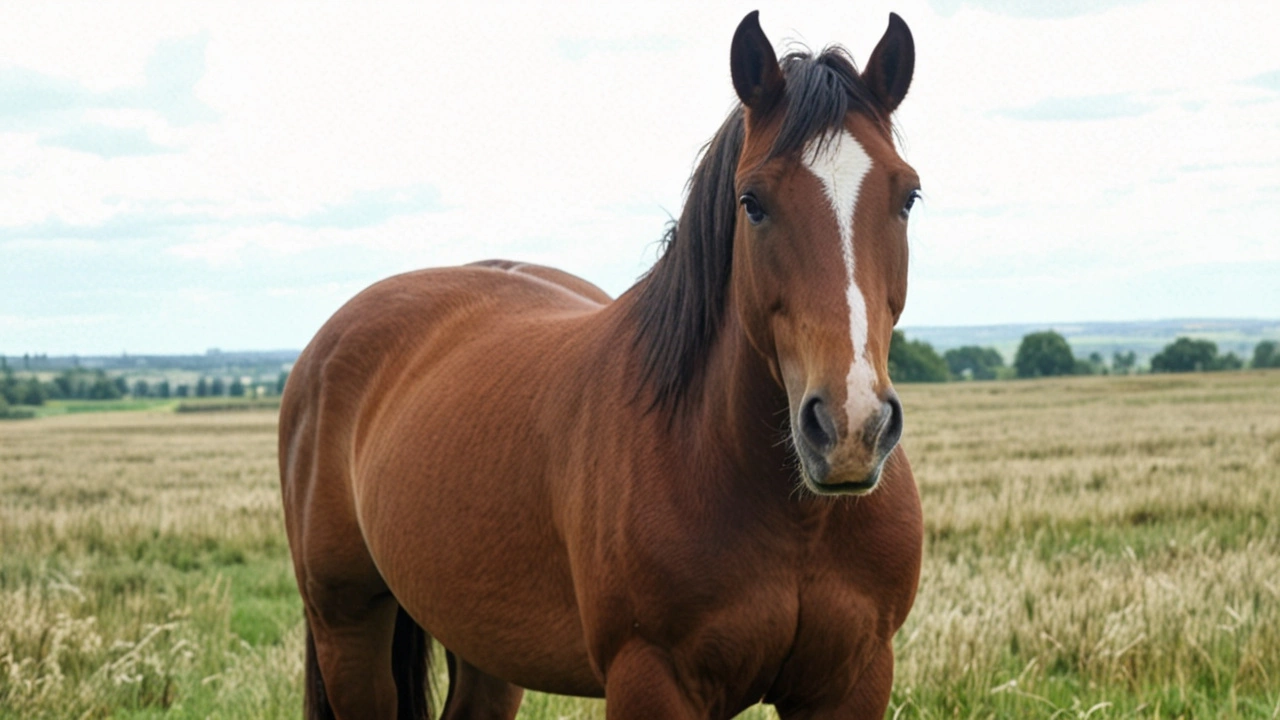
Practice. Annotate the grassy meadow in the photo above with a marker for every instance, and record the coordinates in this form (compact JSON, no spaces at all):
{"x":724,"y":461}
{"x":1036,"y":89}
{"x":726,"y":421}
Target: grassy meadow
{"x":1098,"y":547}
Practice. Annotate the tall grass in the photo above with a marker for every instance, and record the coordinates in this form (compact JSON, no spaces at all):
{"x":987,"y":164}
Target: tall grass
{"x":1096,"y":547}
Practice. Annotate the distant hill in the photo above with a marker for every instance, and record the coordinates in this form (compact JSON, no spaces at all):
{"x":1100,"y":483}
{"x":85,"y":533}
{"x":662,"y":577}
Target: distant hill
{"x":1144,"y":338}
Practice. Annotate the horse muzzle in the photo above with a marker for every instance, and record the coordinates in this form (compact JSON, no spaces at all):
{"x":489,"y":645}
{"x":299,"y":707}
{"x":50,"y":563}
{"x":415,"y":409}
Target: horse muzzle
{"x":848,"y":465}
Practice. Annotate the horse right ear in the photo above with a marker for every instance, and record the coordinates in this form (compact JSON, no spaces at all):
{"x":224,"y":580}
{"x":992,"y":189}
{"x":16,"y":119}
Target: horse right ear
{"x":756,"y":75}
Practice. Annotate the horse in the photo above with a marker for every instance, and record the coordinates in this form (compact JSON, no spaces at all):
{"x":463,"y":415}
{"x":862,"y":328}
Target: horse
{"x":687,"y":500}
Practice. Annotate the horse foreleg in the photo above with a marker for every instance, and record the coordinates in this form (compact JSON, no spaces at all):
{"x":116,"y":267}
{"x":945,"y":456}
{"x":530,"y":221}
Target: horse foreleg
{"x":867,"y":698}
{"x":476,"y":695}
{"x":640,"y":685}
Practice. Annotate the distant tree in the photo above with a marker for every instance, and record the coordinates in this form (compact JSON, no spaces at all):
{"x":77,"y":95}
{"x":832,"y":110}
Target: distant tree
{"x":31,"y":392}
{"x":217,"y":388}
{"x":1266,"y":354}
{"x":162,"y":389}
{"x":65,"y":384}
{"x":103,"y":388}
{"x":182,"y":390}
{"x":1044,"y":354}
{"x":1230,"y":361}
{"x":1186,"y":355}
{"x":281,"y":379}
{"x":1122,"y":362}
{"x":236,"y":389}
{"x":202,"y":387}
{"x":26,"y":361}
{"x":122,"y":385}
{"x":141,"y":388}
{"x":914,"y":361}
{"x":973,"y":362}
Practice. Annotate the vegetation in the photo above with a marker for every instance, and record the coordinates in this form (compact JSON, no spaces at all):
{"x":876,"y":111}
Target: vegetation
{"x":1102,"y":547}
{"x":915,"y":361}
{"x":1044,"y":354}
{"x":973,"y":363}
{"x":1188,"y":355}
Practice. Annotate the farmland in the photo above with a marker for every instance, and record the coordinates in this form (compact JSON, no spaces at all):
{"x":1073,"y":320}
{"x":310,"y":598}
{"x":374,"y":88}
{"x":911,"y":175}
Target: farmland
{"x":1098,"y":546}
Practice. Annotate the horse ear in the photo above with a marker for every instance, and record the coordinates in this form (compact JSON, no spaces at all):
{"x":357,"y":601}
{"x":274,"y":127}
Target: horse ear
{"x":889,"y":70}
{"x":756,"y":75}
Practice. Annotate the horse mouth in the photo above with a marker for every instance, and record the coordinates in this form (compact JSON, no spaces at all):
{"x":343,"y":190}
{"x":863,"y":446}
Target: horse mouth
{"x":859,"y":487}
{"x":832,"y":486}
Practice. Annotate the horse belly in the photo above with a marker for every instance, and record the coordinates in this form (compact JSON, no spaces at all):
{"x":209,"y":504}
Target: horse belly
{"x":461,"y":528}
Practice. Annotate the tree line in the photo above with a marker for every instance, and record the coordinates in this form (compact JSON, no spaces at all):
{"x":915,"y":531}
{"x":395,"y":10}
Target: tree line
{"x":1048,"y":354}
{"x":80,"y":384}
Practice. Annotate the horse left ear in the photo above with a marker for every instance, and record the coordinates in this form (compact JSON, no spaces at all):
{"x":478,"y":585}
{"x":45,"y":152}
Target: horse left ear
{"x":889,"y":70}
{"x":756,"y":75}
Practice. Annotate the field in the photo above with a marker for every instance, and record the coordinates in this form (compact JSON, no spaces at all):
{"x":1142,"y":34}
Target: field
{"x":1096,"y":547}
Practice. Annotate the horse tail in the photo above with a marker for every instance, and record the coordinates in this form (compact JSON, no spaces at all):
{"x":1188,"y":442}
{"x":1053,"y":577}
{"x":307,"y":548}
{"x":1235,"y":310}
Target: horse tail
{"x":316,"y":701}
{"x":411,"y":668}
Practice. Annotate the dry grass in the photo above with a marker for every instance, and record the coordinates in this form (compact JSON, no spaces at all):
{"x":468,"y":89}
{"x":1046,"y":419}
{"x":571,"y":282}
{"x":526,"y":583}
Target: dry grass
{"x":1101,"y":547}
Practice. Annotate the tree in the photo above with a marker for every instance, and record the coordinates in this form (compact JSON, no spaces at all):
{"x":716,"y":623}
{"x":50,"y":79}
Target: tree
{"x":236,"y":389}
{"x":973,"y":362}
{"x":1266,"y":354}
{"x":1230,"y":361}
{"x":914,"y":361}
{"x":217,"y":388}
{"x":281,"y":380}
{"x":182,"y":390}
{"x":103,"y":388}
{"x":202,"y":387}
{"x":162,"y":389}
{"x":1044,"y":354}
{"x":1186,"y":355}
{"x":31,"y":392}
{"x":141,"y":388}
{"x":1122,"y":362}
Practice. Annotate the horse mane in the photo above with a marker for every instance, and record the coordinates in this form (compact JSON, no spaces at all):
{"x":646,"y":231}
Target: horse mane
{"x":680,"y":303}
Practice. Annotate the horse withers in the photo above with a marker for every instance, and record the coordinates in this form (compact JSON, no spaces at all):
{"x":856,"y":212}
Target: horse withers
{"x":686,"y":500}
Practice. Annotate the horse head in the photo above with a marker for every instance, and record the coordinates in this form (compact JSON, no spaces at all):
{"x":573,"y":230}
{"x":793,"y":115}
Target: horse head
{"x":819,"y":274}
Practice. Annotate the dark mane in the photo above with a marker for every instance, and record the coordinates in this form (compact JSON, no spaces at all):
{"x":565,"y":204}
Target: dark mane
{"x":680,"y":303}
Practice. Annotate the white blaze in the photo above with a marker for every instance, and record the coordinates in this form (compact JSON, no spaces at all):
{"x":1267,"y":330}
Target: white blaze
{"x":841,"y":164}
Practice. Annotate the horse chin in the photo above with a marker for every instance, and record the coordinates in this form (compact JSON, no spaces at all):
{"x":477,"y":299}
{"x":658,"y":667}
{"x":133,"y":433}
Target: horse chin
{"x":841,"y":484}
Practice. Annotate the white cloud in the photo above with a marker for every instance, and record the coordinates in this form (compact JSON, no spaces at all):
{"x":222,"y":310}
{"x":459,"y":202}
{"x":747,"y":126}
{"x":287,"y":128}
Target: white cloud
{"x":565,"y":136}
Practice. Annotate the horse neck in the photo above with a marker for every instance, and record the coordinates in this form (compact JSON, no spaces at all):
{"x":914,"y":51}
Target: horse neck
{"x":735,"y":422}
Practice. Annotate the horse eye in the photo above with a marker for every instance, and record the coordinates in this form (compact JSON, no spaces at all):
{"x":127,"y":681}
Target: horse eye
{"x":906,"y":207}
{"x":755,"y":213}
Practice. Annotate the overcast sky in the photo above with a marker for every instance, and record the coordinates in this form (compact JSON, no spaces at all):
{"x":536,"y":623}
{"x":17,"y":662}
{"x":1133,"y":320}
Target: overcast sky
{"x":177,"y":176}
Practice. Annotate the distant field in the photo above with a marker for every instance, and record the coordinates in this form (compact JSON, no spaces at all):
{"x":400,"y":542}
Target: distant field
{"x":1096,"y":547}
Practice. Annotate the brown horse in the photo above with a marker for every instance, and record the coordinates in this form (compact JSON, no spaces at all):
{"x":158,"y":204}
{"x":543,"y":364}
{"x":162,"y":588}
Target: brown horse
{"x":665,"y":500}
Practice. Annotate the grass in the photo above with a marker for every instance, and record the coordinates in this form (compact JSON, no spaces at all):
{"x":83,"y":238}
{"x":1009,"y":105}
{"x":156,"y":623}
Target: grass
{"x":1096,"y":547}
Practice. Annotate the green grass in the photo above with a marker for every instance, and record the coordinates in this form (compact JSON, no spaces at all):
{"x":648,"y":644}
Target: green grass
{"x":73,"y":407}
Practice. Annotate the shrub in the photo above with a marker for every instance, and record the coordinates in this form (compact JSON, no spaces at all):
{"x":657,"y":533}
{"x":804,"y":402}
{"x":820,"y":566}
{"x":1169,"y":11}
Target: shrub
{"x":973,"y":362}
{"x":915,"y":361}
{"x":1044,"y":354}
{"x":1186,"y":355}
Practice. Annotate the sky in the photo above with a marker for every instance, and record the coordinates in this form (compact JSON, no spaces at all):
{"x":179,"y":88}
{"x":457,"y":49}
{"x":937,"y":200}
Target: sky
{"x":180,"y":176}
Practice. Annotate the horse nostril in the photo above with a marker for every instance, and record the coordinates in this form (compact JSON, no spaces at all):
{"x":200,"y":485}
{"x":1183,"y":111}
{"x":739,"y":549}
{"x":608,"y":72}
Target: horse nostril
{"x":816,"y":425}
{"x":892,"y":432}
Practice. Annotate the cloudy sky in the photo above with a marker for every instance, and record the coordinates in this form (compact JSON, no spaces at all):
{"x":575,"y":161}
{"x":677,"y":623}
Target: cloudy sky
{"x":177,"y":177}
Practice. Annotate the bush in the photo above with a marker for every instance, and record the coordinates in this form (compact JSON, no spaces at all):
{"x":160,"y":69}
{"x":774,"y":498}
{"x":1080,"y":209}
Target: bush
{"x":1044,"y":354}
{"x":1266,"y":354}
{"x":915,"y":361}
{"x":1186,"y":355}
{"x":973,"y":362}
